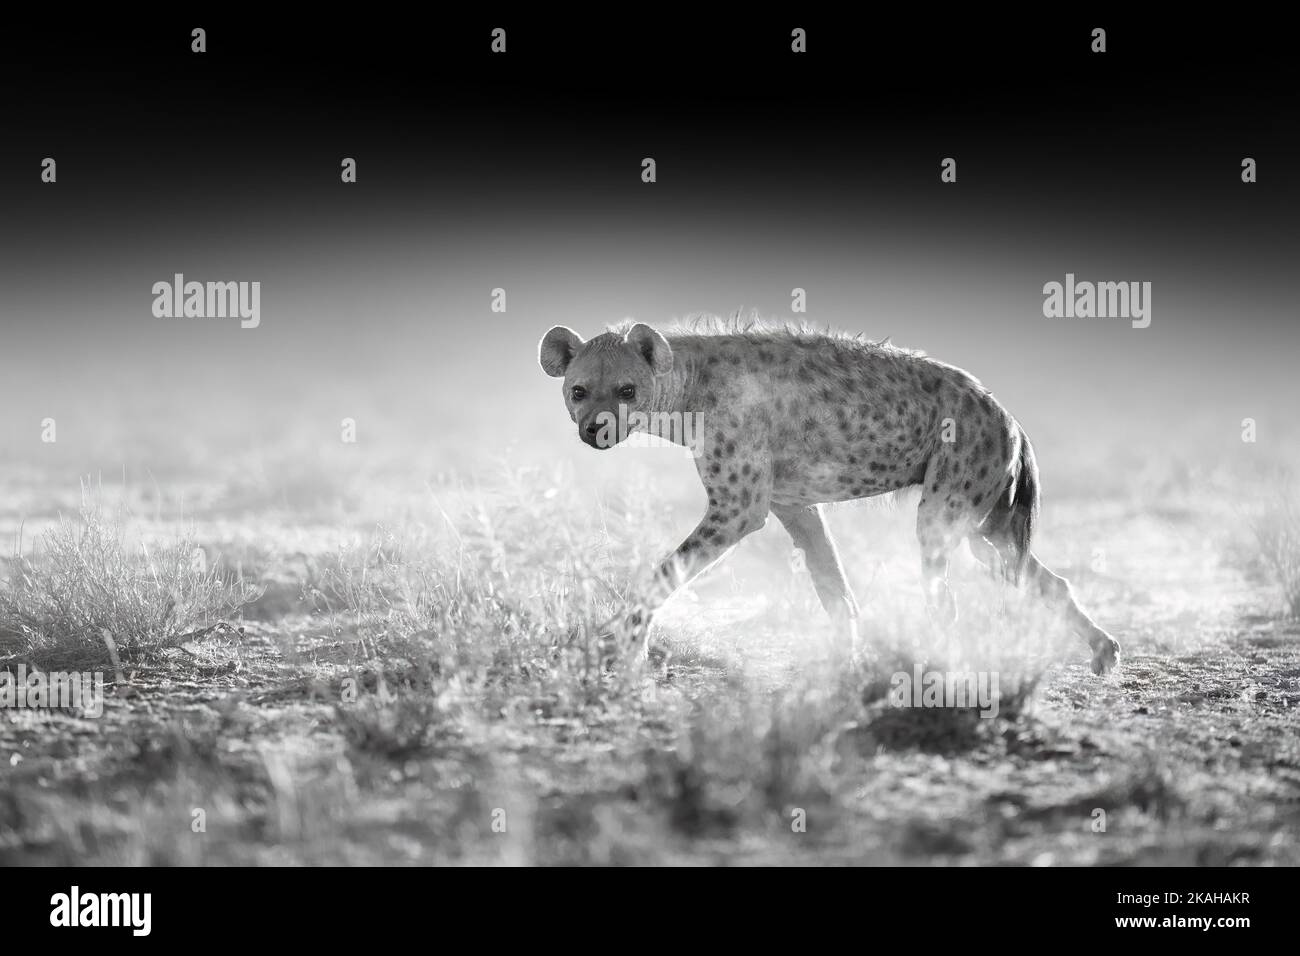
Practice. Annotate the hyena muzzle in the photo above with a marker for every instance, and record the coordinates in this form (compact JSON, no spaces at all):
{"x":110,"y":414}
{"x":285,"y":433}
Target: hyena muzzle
{"x":794,"y":420}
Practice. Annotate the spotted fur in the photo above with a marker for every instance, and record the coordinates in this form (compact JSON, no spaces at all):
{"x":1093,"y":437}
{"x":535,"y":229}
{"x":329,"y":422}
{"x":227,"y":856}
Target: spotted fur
{"x":796,"y":418}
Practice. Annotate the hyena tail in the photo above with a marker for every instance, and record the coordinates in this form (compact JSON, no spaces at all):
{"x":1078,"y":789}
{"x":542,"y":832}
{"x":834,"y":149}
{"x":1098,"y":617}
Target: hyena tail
{"x":1009,"y":527}
{"x":1024,"y":508}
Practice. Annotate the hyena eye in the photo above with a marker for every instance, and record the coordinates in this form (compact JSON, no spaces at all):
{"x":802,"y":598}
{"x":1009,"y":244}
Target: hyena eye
{"x":578,"y":393}
{"x":627,"y":391}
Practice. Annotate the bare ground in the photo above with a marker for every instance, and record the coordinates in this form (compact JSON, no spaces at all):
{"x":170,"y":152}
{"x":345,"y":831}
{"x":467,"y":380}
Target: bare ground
{"x":741,"y":741}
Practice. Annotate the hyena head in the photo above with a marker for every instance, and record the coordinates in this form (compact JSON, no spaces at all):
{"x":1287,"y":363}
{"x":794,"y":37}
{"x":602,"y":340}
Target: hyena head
{"x":609,"y":382}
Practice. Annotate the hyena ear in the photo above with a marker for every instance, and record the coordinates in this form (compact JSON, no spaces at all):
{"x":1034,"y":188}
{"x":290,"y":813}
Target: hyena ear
{"x":557,"y":349}
{"x":652,"y":346}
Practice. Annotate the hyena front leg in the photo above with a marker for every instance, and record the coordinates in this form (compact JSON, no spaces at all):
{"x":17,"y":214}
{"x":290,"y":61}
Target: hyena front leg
{"x":939,"y":529}
{"x":735,"y":509}
{"x":807,"y":527}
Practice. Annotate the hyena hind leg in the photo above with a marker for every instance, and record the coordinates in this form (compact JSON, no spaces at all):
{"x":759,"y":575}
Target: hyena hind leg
{"x":807,"y":528}
{"x":939,"y":531}
{"x":1055,"y":591}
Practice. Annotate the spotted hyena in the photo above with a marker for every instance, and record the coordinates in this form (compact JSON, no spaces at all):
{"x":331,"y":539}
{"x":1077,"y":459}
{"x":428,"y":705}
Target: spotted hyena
{"x":794,"y":419}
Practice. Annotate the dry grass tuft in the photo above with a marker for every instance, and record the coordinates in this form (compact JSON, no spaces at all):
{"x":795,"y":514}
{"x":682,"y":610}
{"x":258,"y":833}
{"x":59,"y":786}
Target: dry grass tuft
{"x":1277,"y":534}
{"x":88,"y":593}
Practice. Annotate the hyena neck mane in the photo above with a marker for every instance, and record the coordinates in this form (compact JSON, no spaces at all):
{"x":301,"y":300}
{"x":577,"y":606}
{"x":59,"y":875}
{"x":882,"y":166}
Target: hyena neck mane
{"x":713,"y":358}
{"x":674,"y":391}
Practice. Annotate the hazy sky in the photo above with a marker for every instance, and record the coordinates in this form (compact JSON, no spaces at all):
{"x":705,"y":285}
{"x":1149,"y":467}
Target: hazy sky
{"x":523,"y":172}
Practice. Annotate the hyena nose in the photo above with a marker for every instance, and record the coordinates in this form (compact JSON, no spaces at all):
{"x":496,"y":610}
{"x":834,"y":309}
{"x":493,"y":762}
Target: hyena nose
{"x":592,"y":429}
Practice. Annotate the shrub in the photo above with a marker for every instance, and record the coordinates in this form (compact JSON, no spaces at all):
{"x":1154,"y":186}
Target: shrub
{"x":86,"y":582}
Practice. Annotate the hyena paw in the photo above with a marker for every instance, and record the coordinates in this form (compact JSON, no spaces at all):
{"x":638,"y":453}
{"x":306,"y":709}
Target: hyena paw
{"x":636,"y":628}
{"x":627,"y":633}
{"x":1105,"y":655}
{"x":942,"y":609}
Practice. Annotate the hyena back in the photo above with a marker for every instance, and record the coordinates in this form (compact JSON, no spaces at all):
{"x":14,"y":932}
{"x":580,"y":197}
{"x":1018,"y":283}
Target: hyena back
{"x":793,"y":420}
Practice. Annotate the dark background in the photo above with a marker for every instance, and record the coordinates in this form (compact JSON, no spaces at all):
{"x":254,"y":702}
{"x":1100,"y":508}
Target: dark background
{"x":523,"y":171}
